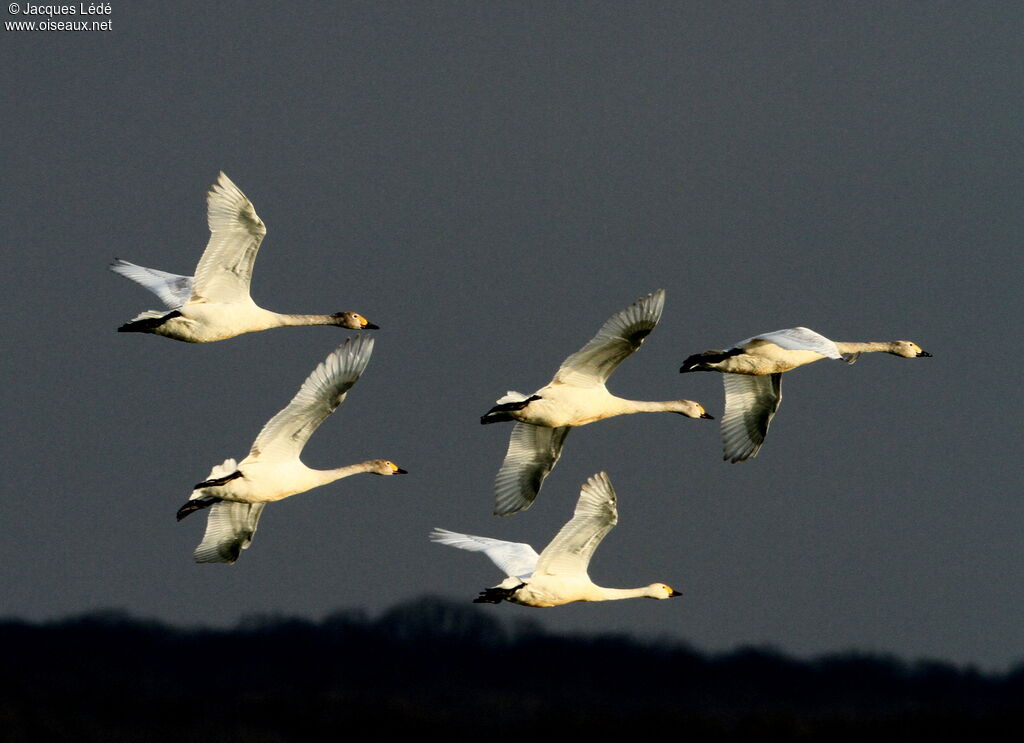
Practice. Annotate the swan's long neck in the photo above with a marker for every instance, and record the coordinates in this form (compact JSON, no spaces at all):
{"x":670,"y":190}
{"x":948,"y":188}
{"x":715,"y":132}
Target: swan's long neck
{"x":599,"y":593}
{"x":328,"y":476}
{"x":625,"y":407}
{"x":288,"y":320}
{"x":869,"y":347}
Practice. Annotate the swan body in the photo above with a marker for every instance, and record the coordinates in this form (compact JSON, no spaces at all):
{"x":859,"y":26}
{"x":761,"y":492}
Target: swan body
{"x":576,"y":396}
{"x":558,"y":575}
{"x":752,"y":378}
{"x":237,"y":493}
{"x":215,"y":304}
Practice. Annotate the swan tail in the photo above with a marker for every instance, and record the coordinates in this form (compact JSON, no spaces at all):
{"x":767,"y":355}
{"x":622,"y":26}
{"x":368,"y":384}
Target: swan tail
{"x":496,"y":595}
{"x":501,"y":411}
{"x":703,"y":361}
{"x":196,"y":504}
{"x":148,"y":321}
{"x":215,"y":481}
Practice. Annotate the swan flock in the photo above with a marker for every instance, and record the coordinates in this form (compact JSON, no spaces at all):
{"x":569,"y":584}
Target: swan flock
{"x":215,"y":305}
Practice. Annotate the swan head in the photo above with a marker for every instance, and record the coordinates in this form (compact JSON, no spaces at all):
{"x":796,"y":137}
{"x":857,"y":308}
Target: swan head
{"x":690,"y":409}
{"x":385,"y":467}
{"x":353,"y":321}
{"x":661,"y":591}
{"x":908,"y":350}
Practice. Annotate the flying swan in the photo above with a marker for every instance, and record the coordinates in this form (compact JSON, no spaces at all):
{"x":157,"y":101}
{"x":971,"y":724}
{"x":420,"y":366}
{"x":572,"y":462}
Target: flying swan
{"x":236,"y":494}
{"x":576,"y":396}
{"x":753,"y":378}
{"x":559,"y":574}
{"x":216,"y":304}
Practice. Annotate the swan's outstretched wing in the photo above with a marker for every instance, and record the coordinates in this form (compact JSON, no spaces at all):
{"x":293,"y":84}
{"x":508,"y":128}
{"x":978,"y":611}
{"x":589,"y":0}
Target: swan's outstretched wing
{"x":750,"y":404}
{"x":229,"y":529}
{"x":173,"y":290}
{"x":513,"y":558}
{"x":284,"y":435}
{"x":795,"y":339}
{"x":620,"y":336}
{"x":596,"y":513}
{"x":532,"y":452}
{"x":224,"y":271}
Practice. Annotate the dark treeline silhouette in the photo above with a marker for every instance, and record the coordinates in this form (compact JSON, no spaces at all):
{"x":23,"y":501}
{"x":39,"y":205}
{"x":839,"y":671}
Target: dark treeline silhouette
{"x":435,"y":667}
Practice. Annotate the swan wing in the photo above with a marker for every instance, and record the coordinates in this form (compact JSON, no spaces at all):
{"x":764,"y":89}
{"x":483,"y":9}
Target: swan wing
{"x":796,"y":339}
{"x":750,"y":405}
{"x":173,"y":290}
{"x":229,"y":529}
{"x":596,"y":513}
{"x":620,"y":336}
{"x":224,"y":271}
{"x":532,"y":453}
{"x":284,"y":435}
{"x":513,"y":558}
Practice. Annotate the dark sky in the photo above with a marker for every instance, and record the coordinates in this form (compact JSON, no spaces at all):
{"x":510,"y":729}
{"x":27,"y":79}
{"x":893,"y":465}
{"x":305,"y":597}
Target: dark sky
{"x":489,"y":182}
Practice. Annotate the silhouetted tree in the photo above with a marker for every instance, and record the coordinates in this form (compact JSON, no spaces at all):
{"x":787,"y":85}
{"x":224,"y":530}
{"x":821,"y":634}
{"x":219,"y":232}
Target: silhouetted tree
{"x":108,"y":677}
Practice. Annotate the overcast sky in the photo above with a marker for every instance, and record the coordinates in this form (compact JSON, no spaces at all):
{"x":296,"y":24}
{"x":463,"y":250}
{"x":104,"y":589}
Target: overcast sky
{"x":489,"y":182}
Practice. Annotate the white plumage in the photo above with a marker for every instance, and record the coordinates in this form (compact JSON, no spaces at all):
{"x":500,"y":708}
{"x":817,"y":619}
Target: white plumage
{"x":752,"y":378}
{"x":215,"y":304}
{"x":236,"y":494}
{"x":576,"y":396}
{"x":559,"y":574}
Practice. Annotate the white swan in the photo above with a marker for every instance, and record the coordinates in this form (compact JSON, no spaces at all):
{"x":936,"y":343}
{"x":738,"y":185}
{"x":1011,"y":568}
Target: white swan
{"x":559,"y":574}
{"x":236,"y":494}
{"x":753,"y":378}
{"x":576,"y":396}
{"x":216,"y":304}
